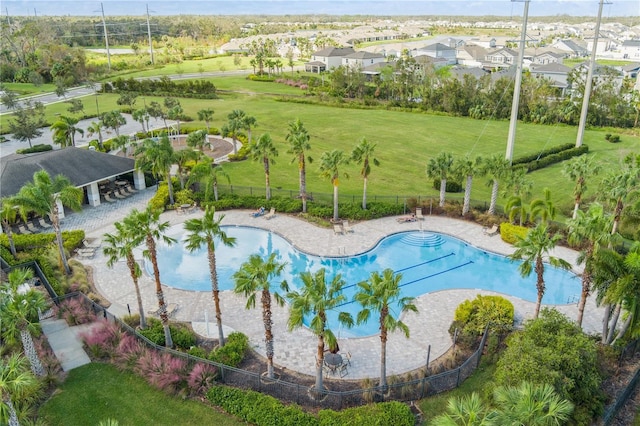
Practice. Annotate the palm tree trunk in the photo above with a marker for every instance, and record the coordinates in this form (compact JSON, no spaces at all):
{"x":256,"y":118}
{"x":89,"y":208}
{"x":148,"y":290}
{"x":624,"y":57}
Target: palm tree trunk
{"x":13,"y":416}
{"x":335,"y":203}
{"x":539,"y":284}
{"x":616,"y":216}
{"x":12,"y":244}
{"x":494,"y":197}
{"x":623,"y":329}
{"x":319,"y":362}
{"x":364,"y":195}
{"x":614,"y":323}
{"x":467,"y":195}
{"x":235,"y":148}
{"x":605,"y":323}
{"x":162,"y":307}
{"x":586,"y":288}
{"x":268,"y":335}
{"x":215,"y":191}
{"x":131,"y":263}
{"x":266,"y":177}
{"x":31,"y":353}
{"x":443,"y":190}
{"x":55,"y":222}
{"x":303,"y":186}
{"x":576,"y":207}
{"x":170,"y":186}
{"x":214,"y":289}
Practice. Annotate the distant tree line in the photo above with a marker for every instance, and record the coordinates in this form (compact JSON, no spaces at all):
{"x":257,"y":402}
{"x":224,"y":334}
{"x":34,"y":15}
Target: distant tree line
{"x":164,"y":86}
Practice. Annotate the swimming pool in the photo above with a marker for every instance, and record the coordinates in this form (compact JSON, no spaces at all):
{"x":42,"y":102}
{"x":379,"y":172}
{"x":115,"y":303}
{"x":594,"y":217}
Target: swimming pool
{"x":427,"y":261}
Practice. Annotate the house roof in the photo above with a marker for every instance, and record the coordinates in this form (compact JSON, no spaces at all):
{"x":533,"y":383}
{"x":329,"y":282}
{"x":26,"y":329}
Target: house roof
{"x":551,"y":68}
{"x":437,"y":47}
{"x":631,"y":43}
{"x":570,"y":44}
{"x":459,"y":72}
{"x":364,"y":55}
{"x":80,"y":166}
{"x":475,"y":51}
{"x":631,"y":67}
{"x":334,"y":51}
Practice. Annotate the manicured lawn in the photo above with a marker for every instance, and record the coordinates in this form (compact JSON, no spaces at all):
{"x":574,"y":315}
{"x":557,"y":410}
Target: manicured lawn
{"x":97,"y":392}
{"x":28,"y":89}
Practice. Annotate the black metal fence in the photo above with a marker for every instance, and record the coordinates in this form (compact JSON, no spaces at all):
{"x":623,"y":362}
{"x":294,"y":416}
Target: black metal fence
{"x":612,"y":410}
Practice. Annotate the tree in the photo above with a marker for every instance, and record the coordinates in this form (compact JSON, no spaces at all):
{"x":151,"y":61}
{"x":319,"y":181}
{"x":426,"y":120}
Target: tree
{"x":381,"y":294}
{"x":233,"y":126}
{"x":468,"y":410}
{"x":619,"y":187}
{"x":298,"y":139}
{"x":9,"y":98}
{"x":265,"y":151}
{"x":207,"y":173}
{"x":19,"y":315}
{"x":175,"y":113}
{"x":113,"y":120}
{"x":531,"y":404}
{"x":95,"y":128}
{"x":197,"y":139}
{"x":75,"y":106}
{"x":146,"y":225}
{"x":205,"y":232}
{"x":64,"y":131}
{"x":313,"y":301}
{"x":248,"y":122}
{"x":17,"y":385}
{"x":141,"y":115}
{"x":543,"y":208}
{"x":157,"y":157}
{"x":578,"y":170}
{"x":44,"y":196}
{"x":496,"y":167}
{"x":120,"y":245}
{"x":253,"y":277}
{"x":206,"y":115}
{"x":27,"y":122}
{"x":182,"y":159}
{"x":363,"y":155}
{"x":330,"y":161}
{"x":440,"y":168}
{"x":534,"y":250}
{"x":590,"y":231}
{"x":466,"y":168}
{"x":520,"y":189}
{"x":8,"y":216}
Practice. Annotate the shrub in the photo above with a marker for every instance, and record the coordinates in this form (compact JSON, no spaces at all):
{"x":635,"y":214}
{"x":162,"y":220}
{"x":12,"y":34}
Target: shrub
{"x":201,"y":378}
{"x":233,"y":352}
{"x":28,"y":242}
{"x":35,"y":148}
{"x":163,"y":371}
{"x":184,"y":196}
{"x":102,"y":339}
{"x":161,"y":198}
{"x":509,"y":231}
{"x":472,"y":316}
{"x":452,"y":186}
{"x":74,"y":312}
{"x":386,"y":413}
{"x":128,"y":352}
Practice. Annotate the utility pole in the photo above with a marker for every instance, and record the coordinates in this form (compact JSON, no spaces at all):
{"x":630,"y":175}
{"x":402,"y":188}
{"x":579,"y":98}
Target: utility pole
{"x":589,"y":81}
{"x":106,"y":37}
{"x":518,"y":82}
{"x":149,"y":34}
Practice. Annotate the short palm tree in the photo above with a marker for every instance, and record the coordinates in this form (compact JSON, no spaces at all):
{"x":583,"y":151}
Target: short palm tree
{"x":468,"y":410}
{"x":466,"y":168}
{"x":95,"y":128}
{"x":330,"y":162}
{"x":249,"y":122}
{"x":314,"y":300}
{"x":496,"y":167}
{"x":618,"y":188}
{"x":208,"y":174}
{"x":206,"y":115}
{"x":264,"y":150}
{"x":579,"y":169}
{"x":146,"y":225}
{"x":8,"y":216}
{"x":113,"y":120}
{"x":120,"y":245}
{"x":157,"y":157}
{"x":440,"y":167}
{"x":381,"y":294}
{"x":205,"y":232}
{"x":543,"y":208}
{"x":197,"y":140}
{"x":233,"y":126}
{"x":298,"y":138}
{"x":363,"y":155}
{"x":64,"y":131}
{"x":530,"y":404}
{"x":19,"y":315}
{"x":17,"y":384}
{"x":534,"y":250}
{"x":43,"y":196}
{"x":253,"y":277}
{"x":182,"y":158}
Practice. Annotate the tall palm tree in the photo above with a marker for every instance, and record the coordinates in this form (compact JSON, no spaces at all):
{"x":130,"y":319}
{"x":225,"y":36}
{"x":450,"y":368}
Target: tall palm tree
{"x":298,"y":138}
{"x":618,"y":188}
{"x":314,"y":300}
{"x":255,"y":275}
{"x":146,"y":225}
{"x":208,"y":175}
{"x":120,"y":245}
{"x":198,"y":140}
{"x":589,"y":230}
{"x":157,"y":157}
{"x":64,"y":131}
{"x":363,"y":155}
{"x":578,"y":169}
{"x":530,"y":404}
{"x":182,"y":159}
{"x":248,"y":122}
{"x":381,"y":294}
{"x":43,"y":196}
{"x":205,"y":232}
{"x":534,"y":250}
{"x":17,"y":383}
{"x":496,"y":167}
{"x":440,"y":168}
{"x":543,"y":207}
{"x":264,"y":150}
{"x":206,"y":115}
{"x":234,"y":125}
{"x":330,"y":161}
{"x":8,"y":216}
{"x":19,"y":315}
{"x":466,"y":168}
{"x":95,"y":128}
{"x":113,"y":120}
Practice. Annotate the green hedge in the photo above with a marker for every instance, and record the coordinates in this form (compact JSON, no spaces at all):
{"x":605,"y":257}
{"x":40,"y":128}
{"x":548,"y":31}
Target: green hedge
{"x":26,"y":242}
{"x":533,"y":157}
{"x":508,"y":232}
{"x":183,"y":338}
{"x":535,"y":162}
{"x":472,"y":316}
{"x":233,"y":351}
{"x":36,"y":148}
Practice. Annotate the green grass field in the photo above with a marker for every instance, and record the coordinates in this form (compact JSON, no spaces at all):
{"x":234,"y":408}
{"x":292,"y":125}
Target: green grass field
{"x":97,"y":392}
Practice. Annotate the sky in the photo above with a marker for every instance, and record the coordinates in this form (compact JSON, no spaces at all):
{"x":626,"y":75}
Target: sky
{"x":611,"y":8}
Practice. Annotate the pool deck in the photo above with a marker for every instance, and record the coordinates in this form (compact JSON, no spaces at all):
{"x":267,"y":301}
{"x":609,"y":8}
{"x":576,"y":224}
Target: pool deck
{"x":296,"y":350}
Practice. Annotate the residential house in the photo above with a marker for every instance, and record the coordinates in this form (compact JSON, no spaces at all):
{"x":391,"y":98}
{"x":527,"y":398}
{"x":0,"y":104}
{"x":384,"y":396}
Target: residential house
{"x":362,"y":59}
{"x":471,"y":55}
{"x":500,"y":58}
{"x":459,"y":72}
{"x":573,"y":49}
{"x":438,"y":51}
{"x":327,"y":58}
{"x":546,"y":57}
{"x":630,"y":49}
{"x":555,"y":72}
{"x":631,"y":71}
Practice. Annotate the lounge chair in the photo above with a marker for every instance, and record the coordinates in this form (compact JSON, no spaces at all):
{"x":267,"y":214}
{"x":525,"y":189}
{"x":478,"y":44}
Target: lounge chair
{"x":337,"y":229}
{"x":43,"y":223}
{"x":343,"y":370}
{"x":271,"y":213}
{"x":346,"y":227}
{"x":259,"y":212}
{"x":404,"y":219}
{"x":86,"y":253}
{"x":490,"y":231}
{"x":32,"y":227}
{"x":107,"y":197}
{"x":419,"y":214}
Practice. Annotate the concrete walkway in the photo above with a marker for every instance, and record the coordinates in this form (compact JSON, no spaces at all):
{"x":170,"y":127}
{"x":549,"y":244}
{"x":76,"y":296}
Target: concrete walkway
{"x":65,"y":342}
{"x":295,"y":350}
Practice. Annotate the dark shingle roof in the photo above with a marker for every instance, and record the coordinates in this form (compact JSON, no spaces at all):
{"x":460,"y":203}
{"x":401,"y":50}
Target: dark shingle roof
{"x":364,"y":55}
{"x":80,"y":166}
{"x":334,"y":51}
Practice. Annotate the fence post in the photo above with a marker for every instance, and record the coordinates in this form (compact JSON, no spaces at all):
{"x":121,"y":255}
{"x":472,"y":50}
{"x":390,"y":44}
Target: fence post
{"x":458,"y":377}
{"x":428,"y":356}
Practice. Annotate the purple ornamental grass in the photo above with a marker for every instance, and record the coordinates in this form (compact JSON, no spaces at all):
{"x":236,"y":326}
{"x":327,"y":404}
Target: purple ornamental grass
{"x":128,"y":352}
{"x":74,"y":312}
{"x":201,"y":378}
{"x":163,"y":371}
{"x":103,"y":338}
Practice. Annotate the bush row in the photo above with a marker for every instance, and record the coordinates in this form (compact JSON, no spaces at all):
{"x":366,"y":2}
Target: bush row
{"x":36,"y":148}
{"x":26,"y":242}
{"x":554,"y":158}
{"x":533,"y":157}
{"x":164,"y":86}
{"x":265,"y":410}
{"x":183,"y":338}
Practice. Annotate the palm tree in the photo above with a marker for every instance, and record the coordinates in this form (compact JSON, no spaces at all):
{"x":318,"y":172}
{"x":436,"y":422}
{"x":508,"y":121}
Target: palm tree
{"x":298,"y":138}
{"x":175,"y":113}
{"x":141,"y":116}
{"x":264,"y":150}
{"x":248,"y":122}
{"x":233,"y":126}
{"x":468,"y":410}
{"x":440,"y":168}
{"x":64,"y":131}
{"x":530,"y":404}
{"x":120,"y":245}
{"x":363,"y":154}
{"x":206,"y":115}
{"x":204,"y":232}
{"x":543,"y":207}
{"x":207,"y":174}
{"x":589,"y":230}
{"x":578,"y":170}
{"x":146,"y":225}
{"x":618,"y":188}
{"x":255,"y":275}
{"x":534,"y":250}
{"x":314,"y":300}
{"x":330,"y":161}
{"x":157,"y":157}
{"x":8,"y":216}
{"x":95,"y":128}
{"x":197,"y":140}
{"x":113,"y":120}
{"x":381,"y":293}
{"x":466,"y":168}
{"x":496,"y":167}
{"x":516,"y":207}
{"x":17,"y":384}
{"x":520,"y":187}
{"x":181,"y":159}
{"x":19,"y":315}
{"x":43,"y":196}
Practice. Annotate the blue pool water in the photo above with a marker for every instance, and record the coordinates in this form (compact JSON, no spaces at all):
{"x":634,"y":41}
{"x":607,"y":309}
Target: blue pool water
{"x":427,"y":261}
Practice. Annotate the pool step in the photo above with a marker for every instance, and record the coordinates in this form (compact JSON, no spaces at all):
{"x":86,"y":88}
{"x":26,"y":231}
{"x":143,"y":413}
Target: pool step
{"x":422,"y":239}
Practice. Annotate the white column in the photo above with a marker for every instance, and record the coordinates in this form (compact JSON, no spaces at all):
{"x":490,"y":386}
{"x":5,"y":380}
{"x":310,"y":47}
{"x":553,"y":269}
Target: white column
{"x":138,"y":179}
{"x":60,"y":209}
{"x":93,"y":194}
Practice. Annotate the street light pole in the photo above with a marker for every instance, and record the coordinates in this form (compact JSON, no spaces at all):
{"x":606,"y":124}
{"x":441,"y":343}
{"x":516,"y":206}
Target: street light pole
{"x":106,"y":37}
{"x":149,"y":35}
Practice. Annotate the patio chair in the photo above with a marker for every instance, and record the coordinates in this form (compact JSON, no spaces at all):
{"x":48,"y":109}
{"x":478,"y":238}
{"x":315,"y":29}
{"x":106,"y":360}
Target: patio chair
{"x":107,"y":197}
{"x":490,"y":231}
{"x":343,"y":370}
{"x":271,"y":214}
{"x":32,"y":227}
{"x":86,"y":253}
{"x":347,"y":359}
{"x":419,"y":215}
{"x":43,"y":223}
{"x":346,"y":227}
{"x":259,"y":212}
{"x":405,"y":219}
{"x":337,"y":229}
